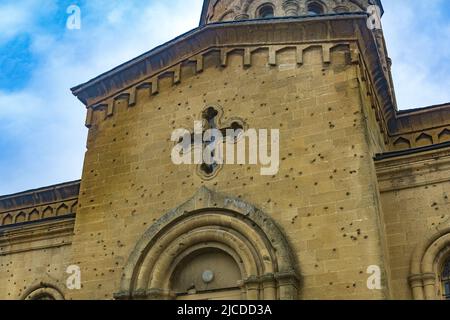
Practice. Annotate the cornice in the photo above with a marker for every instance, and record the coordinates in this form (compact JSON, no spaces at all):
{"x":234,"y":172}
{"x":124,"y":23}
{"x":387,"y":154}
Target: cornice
{"x":39,"y":197}
{"x":413,"y":168}
{"x":34,"y":236}
{"x":167,"y":60}
{"x":251,"y":32}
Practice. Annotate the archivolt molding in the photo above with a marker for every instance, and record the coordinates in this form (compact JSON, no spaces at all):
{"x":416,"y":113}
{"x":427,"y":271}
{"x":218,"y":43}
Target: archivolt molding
{"x":426,"y":261}
{"x":212,"y":220}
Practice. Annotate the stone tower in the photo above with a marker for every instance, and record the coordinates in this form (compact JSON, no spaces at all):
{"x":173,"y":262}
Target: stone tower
{"x":234,"y":10}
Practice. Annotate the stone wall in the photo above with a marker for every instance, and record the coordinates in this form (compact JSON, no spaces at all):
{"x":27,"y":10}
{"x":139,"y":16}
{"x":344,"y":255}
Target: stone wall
{"x":414,"y":191}
{"x":35,"y":238}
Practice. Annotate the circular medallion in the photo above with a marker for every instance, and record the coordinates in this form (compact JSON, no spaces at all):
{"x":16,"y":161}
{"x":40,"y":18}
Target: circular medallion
{"x":208,"y":276}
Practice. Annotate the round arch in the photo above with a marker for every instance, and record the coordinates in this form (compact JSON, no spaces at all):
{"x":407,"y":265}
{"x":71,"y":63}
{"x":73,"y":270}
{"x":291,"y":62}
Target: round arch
{"x":426,"y":261}
{"x":43,"y":291}
{"x":211,"y":220}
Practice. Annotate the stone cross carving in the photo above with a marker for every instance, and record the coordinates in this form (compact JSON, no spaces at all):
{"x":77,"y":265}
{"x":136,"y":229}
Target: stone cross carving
{"x":211,"y":118}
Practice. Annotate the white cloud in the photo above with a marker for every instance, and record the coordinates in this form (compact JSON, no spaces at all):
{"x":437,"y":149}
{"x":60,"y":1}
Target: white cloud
{"x":13,"y":21}
{"x":418,"y":41}
{"x":21,"y":17}
{"x":44,"y":132}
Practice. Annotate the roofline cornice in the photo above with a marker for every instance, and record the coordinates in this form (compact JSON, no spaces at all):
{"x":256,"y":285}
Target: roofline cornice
{"x":124,"y":80}
{"x":36,"y":197}
{"x":190,"y":36}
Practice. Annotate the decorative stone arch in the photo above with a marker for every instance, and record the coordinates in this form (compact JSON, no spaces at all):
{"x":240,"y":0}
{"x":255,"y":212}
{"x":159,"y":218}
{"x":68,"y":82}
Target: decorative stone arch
{"x":251,"y":7}
{"x":229,"y":224}
{"x":228,"y":15}
{"x":426,"y":263}
{"x":44,"y":290}
{"x":320,"y":3}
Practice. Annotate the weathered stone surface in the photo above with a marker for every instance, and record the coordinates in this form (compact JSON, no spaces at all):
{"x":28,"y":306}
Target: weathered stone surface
{"x":360,"y":184}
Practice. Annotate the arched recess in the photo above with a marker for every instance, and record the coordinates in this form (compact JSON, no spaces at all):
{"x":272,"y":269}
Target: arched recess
{"x":43,"y":291}
{"x":211,"y":220}
{"x":427,"y":261}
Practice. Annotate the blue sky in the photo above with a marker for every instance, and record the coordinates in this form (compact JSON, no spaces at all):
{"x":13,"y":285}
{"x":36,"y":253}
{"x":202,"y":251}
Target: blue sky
{"x":42,"y":136}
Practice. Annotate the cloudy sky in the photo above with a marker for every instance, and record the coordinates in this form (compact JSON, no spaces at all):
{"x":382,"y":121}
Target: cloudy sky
{"x":42,"y":136}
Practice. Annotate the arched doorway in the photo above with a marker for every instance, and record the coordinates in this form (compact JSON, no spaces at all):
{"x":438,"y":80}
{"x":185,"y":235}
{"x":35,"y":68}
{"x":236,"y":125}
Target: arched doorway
{"x":211,"y":247}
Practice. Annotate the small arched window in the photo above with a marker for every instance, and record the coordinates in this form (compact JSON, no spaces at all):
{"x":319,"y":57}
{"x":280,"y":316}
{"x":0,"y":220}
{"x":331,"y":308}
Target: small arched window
{"x":445,"y":280}
{"x":315,"y":8}
{"x":266,"y":11}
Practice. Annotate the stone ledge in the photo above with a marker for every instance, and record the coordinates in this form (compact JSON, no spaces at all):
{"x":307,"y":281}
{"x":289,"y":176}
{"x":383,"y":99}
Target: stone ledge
{"x":41,"y":196}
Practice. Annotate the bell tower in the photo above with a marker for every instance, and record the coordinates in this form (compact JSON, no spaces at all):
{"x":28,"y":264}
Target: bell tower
{"x":233,"y":10}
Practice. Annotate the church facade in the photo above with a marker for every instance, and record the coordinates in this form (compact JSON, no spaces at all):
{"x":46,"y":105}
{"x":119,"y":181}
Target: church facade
{"x":358,"y":209}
